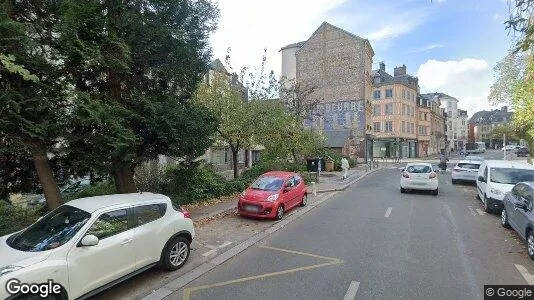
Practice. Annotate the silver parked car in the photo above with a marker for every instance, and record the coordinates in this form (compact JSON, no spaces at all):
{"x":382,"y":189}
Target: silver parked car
{"x":517,"y":213}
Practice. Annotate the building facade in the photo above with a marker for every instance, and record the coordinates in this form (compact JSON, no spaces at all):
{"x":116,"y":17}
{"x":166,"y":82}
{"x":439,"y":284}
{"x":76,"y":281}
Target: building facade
{"x":437,"y":139}
{"x":395,"y":113}
{"x":337,"y":64}
{"x":482,"y":123}
{"x":457,"y":128}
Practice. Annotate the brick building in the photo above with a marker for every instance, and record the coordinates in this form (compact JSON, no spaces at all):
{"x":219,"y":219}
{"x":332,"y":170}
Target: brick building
{"x":337,"y":64}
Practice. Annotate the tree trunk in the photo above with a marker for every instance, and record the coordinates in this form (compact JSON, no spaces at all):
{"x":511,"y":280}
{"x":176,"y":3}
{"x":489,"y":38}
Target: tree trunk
{"x":235,"y":152}
{"x":123,"y":177}
{"x":247,"y":158}
{"x":46,"y":178}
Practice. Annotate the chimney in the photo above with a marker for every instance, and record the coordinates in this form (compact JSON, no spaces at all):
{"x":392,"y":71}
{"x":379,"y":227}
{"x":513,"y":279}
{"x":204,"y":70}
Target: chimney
{"x":504,"y":108}
{"x":398,"y":71}
{"x":382,"y":67}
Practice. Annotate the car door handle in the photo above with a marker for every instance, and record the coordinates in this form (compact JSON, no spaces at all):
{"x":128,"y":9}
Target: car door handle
{"x":126,"y":242}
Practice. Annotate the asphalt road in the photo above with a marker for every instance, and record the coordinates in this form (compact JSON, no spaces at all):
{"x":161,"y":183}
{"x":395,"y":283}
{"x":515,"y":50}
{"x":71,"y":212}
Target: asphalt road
{"x":376,"y":243}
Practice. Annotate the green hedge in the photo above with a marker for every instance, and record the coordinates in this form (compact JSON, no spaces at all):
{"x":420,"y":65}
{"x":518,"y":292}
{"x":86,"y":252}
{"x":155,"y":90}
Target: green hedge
{"x":15,"y":218}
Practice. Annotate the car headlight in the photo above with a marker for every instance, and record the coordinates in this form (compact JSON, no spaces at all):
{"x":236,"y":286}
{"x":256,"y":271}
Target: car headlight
{"x":8,"y":269}
{"x":272,"y":198}
{"x":495,"y":191}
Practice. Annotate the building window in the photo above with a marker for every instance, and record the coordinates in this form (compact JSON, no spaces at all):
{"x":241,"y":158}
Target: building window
{"x":389,"y":126}
{"x":389,"y":93}
{"x":463,"y":121}
{"x":426,"y":116}
{"x":376,"y":110}
{"x":376,"y":126}
{"x":403,"y":126}
{"x":404,"y":109}
{"x":376,"y":94}
{"x":389,"y":109}
{"x":403,"y":94}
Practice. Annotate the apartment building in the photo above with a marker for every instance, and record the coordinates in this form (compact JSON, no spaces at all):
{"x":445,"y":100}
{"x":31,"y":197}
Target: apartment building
{"x":395,"y":113}
{"x":337,"y":64}
{"x":437,"y":136}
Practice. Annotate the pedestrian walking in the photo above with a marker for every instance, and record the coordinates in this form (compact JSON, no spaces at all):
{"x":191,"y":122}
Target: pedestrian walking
{"x":344,"y":167}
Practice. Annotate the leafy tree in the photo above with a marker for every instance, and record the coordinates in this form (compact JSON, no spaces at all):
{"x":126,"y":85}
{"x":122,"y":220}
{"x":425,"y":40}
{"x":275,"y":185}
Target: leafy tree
{"x":33,"y":104}
{"x":521,"y":21}
{"x":510,"y":70}
{"x":133,"y":65}
{"x":523,"y":102}
{"x":236,"y":117}
{"x":298,"y":98}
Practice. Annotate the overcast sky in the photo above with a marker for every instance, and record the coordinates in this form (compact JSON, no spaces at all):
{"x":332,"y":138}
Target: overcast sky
{"x":451,"y":45}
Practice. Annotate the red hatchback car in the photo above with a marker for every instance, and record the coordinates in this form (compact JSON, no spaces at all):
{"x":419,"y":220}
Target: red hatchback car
{"x":272,"y":194}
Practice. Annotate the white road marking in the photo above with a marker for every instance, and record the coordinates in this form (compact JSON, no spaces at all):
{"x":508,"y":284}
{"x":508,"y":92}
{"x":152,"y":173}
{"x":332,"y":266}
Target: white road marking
{"x":480,"y":212}
{"x":214,"y":249}
{"x":351,"y":292}
{"x":388,"y":212}
{"x":526,"y":275}
{"x":472,"y":211}
{"x":465,"y":190}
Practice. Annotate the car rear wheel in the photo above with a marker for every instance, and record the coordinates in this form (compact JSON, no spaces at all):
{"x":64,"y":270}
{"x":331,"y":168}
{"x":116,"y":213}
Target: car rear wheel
{"x":530,"y":244}
{"x":435,"y":192}
{"x":403,"y":190}
{"x":304,"y":200}
{"x":176,"y":254}
{"x":280,"y":212}
{"x":504,"y":218}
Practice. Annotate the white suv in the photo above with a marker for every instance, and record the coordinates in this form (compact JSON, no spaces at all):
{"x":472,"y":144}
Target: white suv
{"x":89,"y":244}
{"x":498,"y":177}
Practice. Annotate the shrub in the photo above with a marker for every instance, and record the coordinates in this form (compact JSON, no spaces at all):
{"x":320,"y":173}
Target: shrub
{"x":15,"y":218}
{"x":99,"y":189}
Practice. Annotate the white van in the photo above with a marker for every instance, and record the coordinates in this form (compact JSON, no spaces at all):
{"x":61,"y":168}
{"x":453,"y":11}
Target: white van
{"x":498,"y":177}
{"x":481,"y":147}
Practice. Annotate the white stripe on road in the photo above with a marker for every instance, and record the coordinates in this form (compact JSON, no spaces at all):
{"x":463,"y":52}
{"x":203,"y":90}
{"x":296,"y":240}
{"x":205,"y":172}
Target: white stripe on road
{"x":351,"y":292}
{"x":480,"y":212}
{"x":214,"y":249}
{"x":465,"y":190}
{"x":526,"y":275}
{"x":388,"y":211}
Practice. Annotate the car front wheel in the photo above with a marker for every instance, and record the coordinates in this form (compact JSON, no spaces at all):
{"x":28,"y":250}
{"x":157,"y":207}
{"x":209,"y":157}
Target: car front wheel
{"x":435,"y":192}
{"x":280,"y":212}
{"x":487,"y":207}
{"x":304,"y":200}
{"x":530,"y":244}
{"x":504,"y":218}
{"x":176,"y":254}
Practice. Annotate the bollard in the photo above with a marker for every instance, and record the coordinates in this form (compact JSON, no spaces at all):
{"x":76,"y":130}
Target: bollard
{"x":314,"y":188}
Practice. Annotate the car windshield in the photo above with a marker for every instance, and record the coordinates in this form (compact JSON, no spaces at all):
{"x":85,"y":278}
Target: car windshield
{"x":510,"y":175}
{"x":419,"y":169}
{"x":52,"y":231}
{"x":470,"y":166}
{"x":268,"y":183}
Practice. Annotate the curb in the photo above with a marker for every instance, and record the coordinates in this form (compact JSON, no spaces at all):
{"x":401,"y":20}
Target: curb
{"x":345,"y":186}
{"x":183,"y":280}
{"x":213,"y":214}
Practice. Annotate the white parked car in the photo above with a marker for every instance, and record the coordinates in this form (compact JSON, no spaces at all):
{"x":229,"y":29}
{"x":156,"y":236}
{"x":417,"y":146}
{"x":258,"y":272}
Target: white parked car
{"x":419,"y":176}
{"x":88,"y":245}
{"x":465,"y":170}
{"x":508,"y":148}
{"x":498,"y":177}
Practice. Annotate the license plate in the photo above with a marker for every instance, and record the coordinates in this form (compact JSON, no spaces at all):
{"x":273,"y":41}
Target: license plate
{"x":419,"y":183}
{"x":251,"y":208}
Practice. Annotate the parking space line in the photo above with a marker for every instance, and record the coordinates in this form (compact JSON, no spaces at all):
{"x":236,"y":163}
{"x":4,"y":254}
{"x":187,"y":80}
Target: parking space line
{"x":215,"y":248}
{"x":529,"y":278}
{"x":388,"y":212}
{"x":480,"y":212}
{"x":331,"y":261}
{"x":351,"y":292}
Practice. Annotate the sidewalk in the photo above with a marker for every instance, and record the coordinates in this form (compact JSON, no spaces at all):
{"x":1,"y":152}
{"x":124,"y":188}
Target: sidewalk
{"x":328,"y":182}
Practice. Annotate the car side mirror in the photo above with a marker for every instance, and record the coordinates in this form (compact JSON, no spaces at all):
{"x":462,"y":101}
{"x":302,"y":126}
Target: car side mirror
{"x":287,"y":189}
{"x":481,"y":179}
{"x":89,"y":240}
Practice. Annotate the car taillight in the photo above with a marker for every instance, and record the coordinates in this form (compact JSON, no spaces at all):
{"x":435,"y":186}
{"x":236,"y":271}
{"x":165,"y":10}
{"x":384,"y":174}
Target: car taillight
{"x":432,"y":175}
{"x":187,"y":215}
{"x":405,"y":175}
